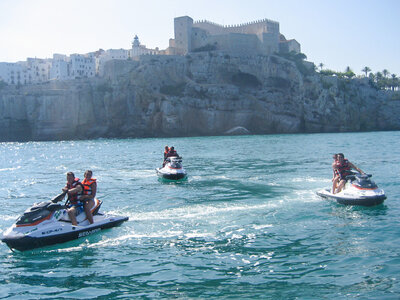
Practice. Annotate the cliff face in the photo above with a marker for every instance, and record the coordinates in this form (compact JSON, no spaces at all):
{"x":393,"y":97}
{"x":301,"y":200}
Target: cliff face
{"x":199,"y":94}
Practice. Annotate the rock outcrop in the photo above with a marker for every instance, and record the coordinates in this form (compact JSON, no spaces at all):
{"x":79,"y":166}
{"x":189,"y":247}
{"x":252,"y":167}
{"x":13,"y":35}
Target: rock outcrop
{"x":206,"y":93}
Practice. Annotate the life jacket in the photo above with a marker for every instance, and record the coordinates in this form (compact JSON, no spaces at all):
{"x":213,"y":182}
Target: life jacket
{"x":87,"y":186}
{"x":335,"y":173}
{"x":73,"y":199}
{"x":343,"y":168}
{"x":172,"y":153}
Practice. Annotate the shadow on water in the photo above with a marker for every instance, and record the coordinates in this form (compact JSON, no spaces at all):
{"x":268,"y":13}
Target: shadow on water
{"x":169,"y":181}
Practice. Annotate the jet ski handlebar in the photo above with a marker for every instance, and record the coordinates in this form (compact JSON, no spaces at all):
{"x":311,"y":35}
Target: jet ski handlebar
{"x":353,"y":175}
{"x":59,"y":197}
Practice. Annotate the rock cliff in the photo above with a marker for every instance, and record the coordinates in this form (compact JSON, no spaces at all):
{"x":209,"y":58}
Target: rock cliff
{"x":205,"y":93}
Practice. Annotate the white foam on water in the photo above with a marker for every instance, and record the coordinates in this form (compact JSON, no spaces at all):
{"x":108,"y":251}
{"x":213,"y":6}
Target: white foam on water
{"x":198,"y":212}
{"x":10,"y":169}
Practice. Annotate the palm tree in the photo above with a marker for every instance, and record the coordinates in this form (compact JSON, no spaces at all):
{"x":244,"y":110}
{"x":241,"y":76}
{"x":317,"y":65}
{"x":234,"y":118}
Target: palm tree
{"x":320,"y":66}
{"x":366,"y":70}
{"x":397,"y":84}
{"x":394,"y":82}
{"x":349,"y":72}
{"x":372,"y":76}
{"x":379,"y":80}
{"x":385,"y":73}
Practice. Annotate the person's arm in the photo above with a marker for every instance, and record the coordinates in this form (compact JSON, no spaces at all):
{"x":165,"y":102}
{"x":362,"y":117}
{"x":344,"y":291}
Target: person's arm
{"x":75,"y":190}
{"x":356,"y":168}
{"x":94,"y":190}
{"x":334,"y":171}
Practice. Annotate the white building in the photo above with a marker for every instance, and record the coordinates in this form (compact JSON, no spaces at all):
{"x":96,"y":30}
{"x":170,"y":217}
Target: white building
{"x":82,"y":66}
{"x":60,"y":68}
{"x":38,"y":69}
{"x":138,"y":49}
{"x":11,"y":73}
{"x":107,"y":55}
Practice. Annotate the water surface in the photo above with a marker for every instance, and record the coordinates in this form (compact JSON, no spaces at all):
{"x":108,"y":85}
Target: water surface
{"x":246,"y":223}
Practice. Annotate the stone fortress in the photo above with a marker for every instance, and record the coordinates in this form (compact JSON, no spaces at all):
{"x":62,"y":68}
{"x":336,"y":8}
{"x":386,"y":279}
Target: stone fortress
{"x":259,"y":37}
{"x":254,"y":38}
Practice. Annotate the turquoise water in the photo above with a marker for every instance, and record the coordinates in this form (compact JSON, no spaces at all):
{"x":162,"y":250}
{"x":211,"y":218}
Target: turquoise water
{"x":246,"y":223}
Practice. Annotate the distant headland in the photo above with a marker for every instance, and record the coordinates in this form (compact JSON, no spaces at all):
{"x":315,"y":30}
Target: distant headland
{"x":211,"y":80}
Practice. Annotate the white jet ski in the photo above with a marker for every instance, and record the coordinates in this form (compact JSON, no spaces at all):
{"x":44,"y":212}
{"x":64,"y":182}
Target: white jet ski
{"x":172,"y":169}
{"x":48,"y":223}
{"x":358,"y":190}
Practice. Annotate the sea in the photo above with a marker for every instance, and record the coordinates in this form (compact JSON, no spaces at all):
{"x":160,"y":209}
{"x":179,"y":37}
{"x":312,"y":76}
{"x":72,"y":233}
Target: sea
{"x":246,"y":224}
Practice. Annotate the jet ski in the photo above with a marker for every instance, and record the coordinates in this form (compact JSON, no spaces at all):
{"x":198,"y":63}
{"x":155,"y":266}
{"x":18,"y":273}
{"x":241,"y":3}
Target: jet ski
{"x":172,"y":169}
{"x":48,"y":223}
{"x":358,"y":190}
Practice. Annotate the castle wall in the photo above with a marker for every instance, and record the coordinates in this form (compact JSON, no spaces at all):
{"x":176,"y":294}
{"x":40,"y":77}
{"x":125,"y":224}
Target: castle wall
{"x":211,"y":28}
{"x":257,"y":37}
{"x":237,"y":43}
{"x":270,"y":43}
{"x":200,"y":38}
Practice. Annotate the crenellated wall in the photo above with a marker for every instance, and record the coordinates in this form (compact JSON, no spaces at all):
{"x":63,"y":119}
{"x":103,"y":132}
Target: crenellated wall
{"x":256,"y":27}
{"x":258,"y":37}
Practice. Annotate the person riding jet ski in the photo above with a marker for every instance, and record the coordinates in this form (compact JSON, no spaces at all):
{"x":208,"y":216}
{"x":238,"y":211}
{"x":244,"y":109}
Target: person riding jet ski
{"x":47,"y":223}
{"x":80,"y":195}
{"x":353,"y":188}
{"x":166,"y":150}
{"x":172,"y":168}
{"x":89,"y":193}
{"x":343,"y":168}
{"x":73,"y":189}
{"x":172,"y":152}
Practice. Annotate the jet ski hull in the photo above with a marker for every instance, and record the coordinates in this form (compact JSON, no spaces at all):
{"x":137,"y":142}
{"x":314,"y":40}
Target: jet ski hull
{"x":61,"y":233}
{"x":172,"y":169}
{"x":353,"y":200}
{"x":171,"y":176}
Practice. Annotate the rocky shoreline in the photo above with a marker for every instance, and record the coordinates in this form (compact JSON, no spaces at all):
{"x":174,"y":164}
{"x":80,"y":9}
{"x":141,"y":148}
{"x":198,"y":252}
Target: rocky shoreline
{"x":205,"y":93}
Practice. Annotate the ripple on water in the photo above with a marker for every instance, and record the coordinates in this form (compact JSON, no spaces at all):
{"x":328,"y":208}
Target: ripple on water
{"x":246,"y":224}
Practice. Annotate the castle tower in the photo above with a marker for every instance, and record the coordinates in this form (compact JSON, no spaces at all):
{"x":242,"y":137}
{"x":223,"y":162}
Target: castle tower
{"x":183,"y":34}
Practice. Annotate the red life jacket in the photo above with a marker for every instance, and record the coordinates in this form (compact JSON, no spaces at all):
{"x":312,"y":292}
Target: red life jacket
{"x":172,"y":153}
{"x":73,"y":199}
{"x":87,"y":186}
{"x":343,"y":168}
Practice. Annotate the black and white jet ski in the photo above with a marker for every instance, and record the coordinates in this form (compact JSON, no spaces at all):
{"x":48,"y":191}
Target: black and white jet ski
{"x":358,"y":190}
{"x":172,"y":169}
{"x":48,"y":223}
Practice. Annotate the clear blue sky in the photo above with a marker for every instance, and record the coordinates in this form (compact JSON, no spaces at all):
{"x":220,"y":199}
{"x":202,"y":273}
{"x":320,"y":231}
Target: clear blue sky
{"x":339,"y":33}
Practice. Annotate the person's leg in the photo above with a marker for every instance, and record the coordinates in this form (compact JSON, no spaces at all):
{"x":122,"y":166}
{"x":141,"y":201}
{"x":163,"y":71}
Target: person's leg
{"x":341,"y":185}
{"x":87,"y":207}
{"x":72,"y":215}
{"x":334,"y":184}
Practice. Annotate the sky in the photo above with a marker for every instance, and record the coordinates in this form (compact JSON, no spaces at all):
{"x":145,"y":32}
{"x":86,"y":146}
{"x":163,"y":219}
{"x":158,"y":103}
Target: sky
{"x":339,"y":33}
